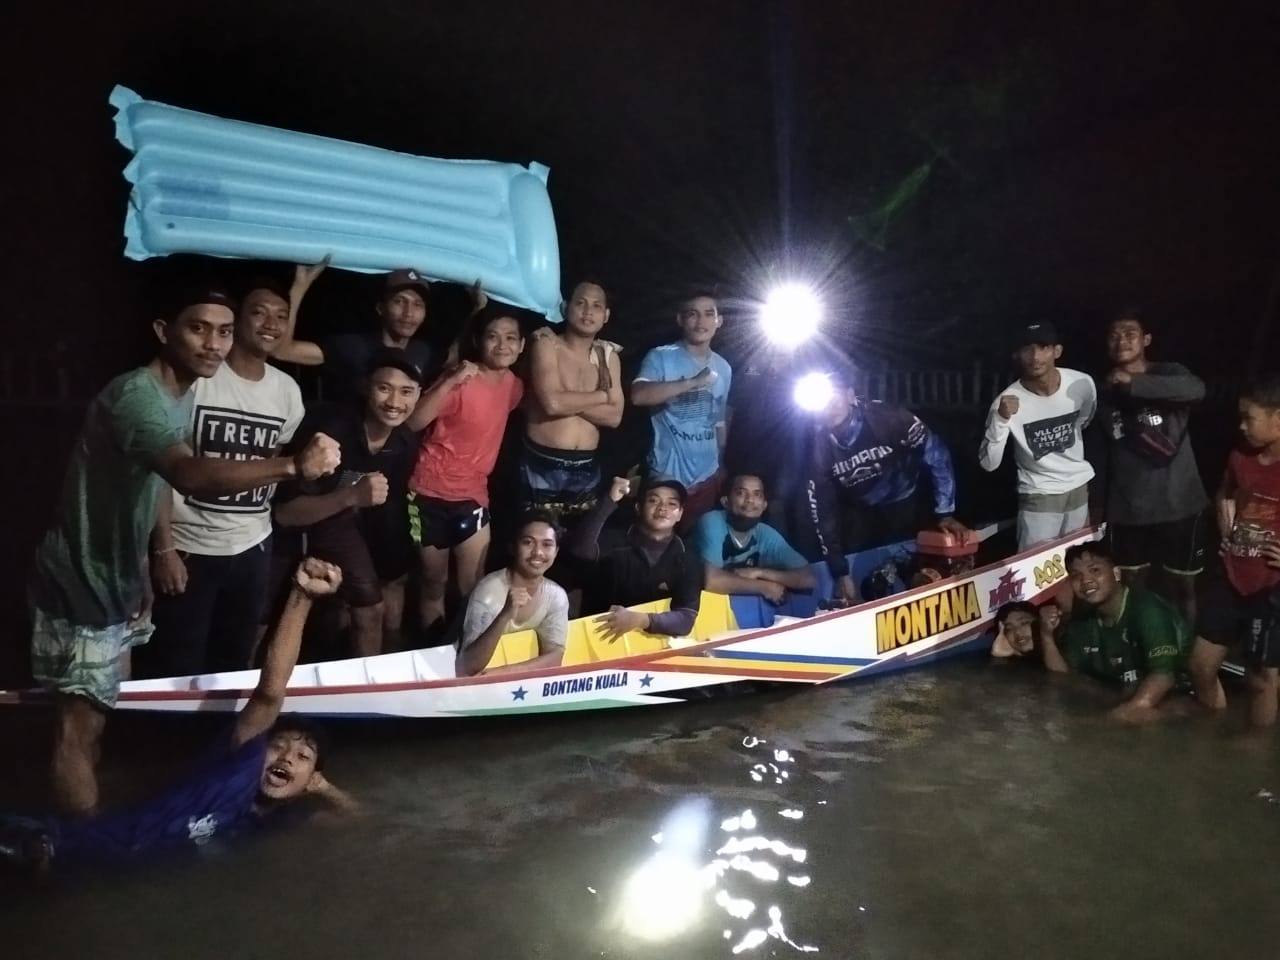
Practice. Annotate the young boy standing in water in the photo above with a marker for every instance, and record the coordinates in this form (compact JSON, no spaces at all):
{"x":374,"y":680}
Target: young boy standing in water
{"x":1241,"y":601}
{"x":255,"y":771}
{"x":1045,"y":412}
{"x":1117,"y":633}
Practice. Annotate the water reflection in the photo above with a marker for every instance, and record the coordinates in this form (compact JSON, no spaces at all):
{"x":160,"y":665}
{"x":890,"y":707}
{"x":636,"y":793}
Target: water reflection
{"x":664,"y":898}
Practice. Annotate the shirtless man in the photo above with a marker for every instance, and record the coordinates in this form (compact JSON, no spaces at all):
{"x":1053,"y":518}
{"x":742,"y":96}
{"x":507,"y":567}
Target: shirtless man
{"x":575,"y":389}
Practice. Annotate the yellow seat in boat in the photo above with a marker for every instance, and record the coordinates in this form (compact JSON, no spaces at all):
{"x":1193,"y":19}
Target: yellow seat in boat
{"x":586,"y":643}
{"x":514,"y":648}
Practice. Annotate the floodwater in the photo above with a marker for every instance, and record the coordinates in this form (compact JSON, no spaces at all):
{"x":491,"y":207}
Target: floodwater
{"x":964,"y":810}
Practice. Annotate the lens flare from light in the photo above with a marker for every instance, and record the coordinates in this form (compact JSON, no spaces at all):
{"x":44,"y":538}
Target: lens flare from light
{"x":813,"y":392}
{"x":791,"y":315}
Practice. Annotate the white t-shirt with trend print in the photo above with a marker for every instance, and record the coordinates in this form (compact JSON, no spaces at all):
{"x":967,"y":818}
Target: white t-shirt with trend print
{"x":1047,"y":433}
{"x":235,"y":419}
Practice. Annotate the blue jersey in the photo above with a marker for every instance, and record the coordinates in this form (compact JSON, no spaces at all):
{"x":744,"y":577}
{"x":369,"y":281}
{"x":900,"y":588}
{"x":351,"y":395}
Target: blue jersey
{"x":213,"y":800}
{"x":874,"y":459}
{"x":765,"y":548}
{"x":685,"y":447}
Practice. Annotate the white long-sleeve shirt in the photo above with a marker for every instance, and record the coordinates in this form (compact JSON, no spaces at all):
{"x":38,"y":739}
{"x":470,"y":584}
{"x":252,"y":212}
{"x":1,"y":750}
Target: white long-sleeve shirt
{"x":1047,"y":433}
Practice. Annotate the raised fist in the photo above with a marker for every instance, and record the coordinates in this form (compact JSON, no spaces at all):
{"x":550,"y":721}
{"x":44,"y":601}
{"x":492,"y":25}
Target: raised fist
{"x":371,"y":490}
{"x":464,"y":372}
{"x":619,"y":489}
{"x":517,"y":597}
{"x":316,"y":578}
{"x":1008,"y":407}
{"x":319,"y":458}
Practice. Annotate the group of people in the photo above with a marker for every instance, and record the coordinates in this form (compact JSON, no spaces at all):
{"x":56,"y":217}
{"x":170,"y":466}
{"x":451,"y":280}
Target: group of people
{"x":193,"y":472}
{"x":1135,"y":614}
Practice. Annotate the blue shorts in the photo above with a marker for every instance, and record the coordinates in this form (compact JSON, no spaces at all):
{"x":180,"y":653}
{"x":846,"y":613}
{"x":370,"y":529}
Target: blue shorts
{"x":565,"y":483}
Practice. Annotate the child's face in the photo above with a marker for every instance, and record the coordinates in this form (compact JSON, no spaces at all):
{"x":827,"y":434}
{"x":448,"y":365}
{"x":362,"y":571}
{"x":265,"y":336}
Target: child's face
{"x":1019,"y":630}
{"x":1260,"y":425}
{"x":290,"y":765}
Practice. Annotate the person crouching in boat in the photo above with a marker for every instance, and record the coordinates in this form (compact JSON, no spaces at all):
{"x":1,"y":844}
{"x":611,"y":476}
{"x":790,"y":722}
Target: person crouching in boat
{"x":868,"y":461}
{"x":263,"y":764}
{"x":1118,"y":633}
{"x":518,"y":597}
{"x":744,"y":556}
{"x":646,"y":562}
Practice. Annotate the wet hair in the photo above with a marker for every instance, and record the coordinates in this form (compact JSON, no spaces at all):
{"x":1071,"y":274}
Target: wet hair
{"x":473,"y":335}
{"x":736,"y":475}
{"x":1131,"y":313}
{"x":1017,"y":606}
{"x":1264,"y":391}
{"x":698,"y":293}
{"x":1093,"y":548}
{"x":270,"y":284}
{"x":305,"y":729}
{"x":595,"y":281}
{"x":536,"y":516}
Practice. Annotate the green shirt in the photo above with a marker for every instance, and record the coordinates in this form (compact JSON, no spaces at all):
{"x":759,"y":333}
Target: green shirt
{"x":1149,"y":636}
{"x":88,"y":568}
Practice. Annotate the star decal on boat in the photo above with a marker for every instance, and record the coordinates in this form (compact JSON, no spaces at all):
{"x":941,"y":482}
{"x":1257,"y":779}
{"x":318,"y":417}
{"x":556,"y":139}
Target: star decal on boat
{"x":518,"y":693}
{"x":646,"y":680}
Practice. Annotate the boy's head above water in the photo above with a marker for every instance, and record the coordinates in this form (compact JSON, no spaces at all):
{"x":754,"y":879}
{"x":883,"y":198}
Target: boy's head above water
{"x":1092,"y":570}
{"x":294,"y":759}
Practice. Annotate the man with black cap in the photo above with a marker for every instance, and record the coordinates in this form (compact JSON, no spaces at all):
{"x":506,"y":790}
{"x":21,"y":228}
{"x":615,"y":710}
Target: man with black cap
{"x":90,"y":586}
{"x":357,"y":518}
{"x":866,"y":464}
{"x":401,"y":309}
{"x":1045,"y":411}
{"x":646,"y":562}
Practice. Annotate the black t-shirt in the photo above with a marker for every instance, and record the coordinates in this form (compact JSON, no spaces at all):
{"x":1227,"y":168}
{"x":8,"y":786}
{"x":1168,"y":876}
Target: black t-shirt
{"x":384,"y":524}
{"x":346,"y":363}
{"x":625,"y":576}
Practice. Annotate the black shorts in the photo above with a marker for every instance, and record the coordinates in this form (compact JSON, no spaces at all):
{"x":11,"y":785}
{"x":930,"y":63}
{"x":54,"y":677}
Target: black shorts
{"x":444,"y":524}
{"x":1179,"y":546}
{"x":1227,"y":617}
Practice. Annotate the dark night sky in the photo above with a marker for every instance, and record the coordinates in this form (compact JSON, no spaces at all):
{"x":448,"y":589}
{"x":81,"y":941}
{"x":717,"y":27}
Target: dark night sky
{"x":1076,"y":161}
{"x":1081,"y":160}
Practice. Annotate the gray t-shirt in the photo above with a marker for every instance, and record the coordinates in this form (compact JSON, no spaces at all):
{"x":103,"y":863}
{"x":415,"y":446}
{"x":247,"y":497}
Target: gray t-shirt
{"x":549,"y":618}
{"x":1141,"y":490}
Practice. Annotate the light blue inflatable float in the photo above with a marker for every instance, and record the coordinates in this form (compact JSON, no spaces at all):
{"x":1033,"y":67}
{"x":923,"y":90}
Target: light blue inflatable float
{"x":225,"y":188}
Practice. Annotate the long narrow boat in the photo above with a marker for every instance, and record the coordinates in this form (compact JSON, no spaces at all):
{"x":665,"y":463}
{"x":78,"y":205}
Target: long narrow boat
{"x":732,"y":641}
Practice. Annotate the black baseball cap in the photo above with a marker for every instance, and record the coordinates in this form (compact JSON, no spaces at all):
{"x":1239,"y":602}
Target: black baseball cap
{"x":397,"y":360}
{"x":1040,"y":334}
{"x":405,"y":279}
{"x":653,"y":483}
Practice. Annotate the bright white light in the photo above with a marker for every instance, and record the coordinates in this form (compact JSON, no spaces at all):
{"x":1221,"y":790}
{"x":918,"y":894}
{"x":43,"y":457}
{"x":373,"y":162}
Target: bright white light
{"x":663,"y":898}
{"x":791,"y":315}
{"x":813,"y":392}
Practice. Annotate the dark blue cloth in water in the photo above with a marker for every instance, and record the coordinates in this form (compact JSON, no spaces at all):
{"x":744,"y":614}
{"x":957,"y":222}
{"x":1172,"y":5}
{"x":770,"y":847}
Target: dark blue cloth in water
{"x":213,"y":800}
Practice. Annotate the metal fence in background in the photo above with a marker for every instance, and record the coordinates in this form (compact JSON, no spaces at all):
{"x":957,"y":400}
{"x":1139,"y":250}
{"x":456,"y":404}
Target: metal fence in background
{"x":68,"y":379}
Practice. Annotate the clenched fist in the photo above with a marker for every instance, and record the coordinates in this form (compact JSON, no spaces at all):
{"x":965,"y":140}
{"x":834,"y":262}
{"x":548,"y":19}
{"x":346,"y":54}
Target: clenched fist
{"x":1008,"y":407}
{"x":517,"y":597}
{"x":316,"y":578}
{"x":371,"y":490}
{"x":319,"y":458}
{"x":619,"y":489}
